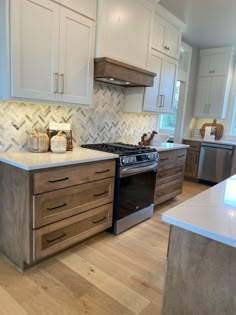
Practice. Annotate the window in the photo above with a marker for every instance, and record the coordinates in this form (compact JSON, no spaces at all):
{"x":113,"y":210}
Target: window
{"x":168,"y":122}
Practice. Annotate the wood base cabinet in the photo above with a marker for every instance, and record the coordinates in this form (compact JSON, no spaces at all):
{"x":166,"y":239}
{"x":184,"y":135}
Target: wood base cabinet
{"x":192,"y":158}
{"x":45,"y":211}
{"x":170,"y":175}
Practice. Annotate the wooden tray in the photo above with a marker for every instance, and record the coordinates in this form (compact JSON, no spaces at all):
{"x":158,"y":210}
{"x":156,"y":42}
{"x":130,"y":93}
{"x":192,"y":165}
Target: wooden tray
{"x":219,"y":129}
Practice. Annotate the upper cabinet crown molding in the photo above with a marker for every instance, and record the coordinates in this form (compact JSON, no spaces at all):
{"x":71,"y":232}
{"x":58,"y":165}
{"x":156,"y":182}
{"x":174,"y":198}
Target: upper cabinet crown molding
{"x":124,"y":30}
{"x":215,"y":73}
{"x":170,"y":17}
{"x":48,"y":64}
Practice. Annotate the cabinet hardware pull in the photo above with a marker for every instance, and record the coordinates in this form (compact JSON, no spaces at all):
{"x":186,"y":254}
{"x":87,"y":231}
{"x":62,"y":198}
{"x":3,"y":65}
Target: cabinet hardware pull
{"x":196,"y":159}
{"x":164,"y":159}
{"x":56,"y":82}
{"x":99,"y":220}
{"x":179,"y":170}
{"x":160,"y":194}
{"x":62,"y":83}
{"x":103,"y":193}
{"x":56,"y":238}
{"x":167,"y":47}
{"x":163,"y":175}
{"x":161,"y":101}
{"x":56,"y":207}
{"x":58,"y":180}
{"x":164,"y":100}
{"x":179,"y":156}
{"x":100,"y":172}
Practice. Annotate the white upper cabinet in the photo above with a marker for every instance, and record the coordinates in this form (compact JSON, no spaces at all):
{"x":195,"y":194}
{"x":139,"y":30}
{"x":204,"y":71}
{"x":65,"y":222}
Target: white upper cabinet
{"x":85,"y":7}
{"x":75,"y":82}
{"x":158,"y":98}
{"x":34,"y":49}
{"x":166,"y":33}
{"x":48,"y":60}
{"x":123,"y":30}
{"x":214,"y":82}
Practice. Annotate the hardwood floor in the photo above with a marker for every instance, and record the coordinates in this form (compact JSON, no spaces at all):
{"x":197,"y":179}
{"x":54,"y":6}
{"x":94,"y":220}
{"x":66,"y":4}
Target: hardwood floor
{"x":105,"y":275}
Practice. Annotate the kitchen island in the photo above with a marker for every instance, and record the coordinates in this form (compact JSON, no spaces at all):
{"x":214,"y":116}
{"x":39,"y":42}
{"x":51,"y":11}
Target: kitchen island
{"x":201,"y":272}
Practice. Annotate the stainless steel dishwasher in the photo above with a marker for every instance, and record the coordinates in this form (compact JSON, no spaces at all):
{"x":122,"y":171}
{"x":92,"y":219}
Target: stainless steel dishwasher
{"x":214,"y":162}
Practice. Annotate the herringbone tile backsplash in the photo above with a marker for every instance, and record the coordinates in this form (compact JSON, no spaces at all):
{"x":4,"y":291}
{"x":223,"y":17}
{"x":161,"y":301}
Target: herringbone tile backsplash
{"x":105,"y":121}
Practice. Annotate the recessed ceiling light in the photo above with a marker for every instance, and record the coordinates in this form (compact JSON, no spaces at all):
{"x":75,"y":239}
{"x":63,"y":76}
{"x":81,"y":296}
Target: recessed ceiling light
{"x":111,"y":79}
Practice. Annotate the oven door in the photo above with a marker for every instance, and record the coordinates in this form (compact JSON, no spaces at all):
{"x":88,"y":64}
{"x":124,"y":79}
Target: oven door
{"x":135,"y":188}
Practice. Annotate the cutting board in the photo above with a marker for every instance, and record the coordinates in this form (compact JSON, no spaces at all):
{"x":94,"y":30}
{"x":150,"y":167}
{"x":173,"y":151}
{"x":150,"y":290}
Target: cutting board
{"x":219,"y":129}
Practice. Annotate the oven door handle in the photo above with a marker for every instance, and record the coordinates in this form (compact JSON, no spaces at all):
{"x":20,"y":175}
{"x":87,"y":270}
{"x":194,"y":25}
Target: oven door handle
{"x":137,"y":170}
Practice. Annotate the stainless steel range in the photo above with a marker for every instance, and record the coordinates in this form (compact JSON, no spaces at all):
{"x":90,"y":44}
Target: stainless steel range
{"x":135,"y":183}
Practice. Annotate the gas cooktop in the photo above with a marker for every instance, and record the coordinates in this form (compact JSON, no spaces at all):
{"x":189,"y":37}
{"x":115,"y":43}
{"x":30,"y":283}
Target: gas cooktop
{"x":119,"y":148}
{"x":129,"y":154}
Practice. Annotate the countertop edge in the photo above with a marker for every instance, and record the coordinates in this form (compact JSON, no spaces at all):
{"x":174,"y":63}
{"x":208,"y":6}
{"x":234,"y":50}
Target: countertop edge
{"x":198,"y":230}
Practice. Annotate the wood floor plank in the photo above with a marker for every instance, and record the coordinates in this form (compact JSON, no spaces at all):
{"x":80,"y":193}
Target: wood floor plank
{"x":8,"y":305}
{"x":112,"y":287}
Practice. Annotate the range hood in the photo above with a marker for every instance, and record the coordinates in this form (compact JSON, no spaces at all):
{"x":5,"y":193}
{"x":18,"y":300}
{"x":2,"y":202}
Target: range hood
{"x":115,"y":72}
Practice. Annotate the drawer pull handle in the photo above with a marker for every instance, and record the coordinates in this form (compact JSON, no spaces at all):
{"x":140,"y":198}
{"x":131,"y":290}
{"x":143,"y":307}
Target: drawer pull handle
{"x":163,"y":175}
{"x":100,"y":172}
{"x":58,"y":180}
{"x":103,"y":193}
{"x":56,"y":238}
{"x":59,"y":206}
{"x":95,"y":222}
{"x":164,"y":159}
{"x":179,"y":156}
{"x":179,"y":170}
{"x":160,"y":194}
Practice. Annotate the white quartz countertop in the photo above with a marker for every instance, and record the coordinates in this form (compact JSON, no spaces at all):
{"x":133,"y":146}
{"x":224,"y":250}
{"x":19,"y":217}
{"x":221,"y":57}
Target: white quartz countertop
{"x":229,"y":142}
{"x":212,"y":213}
{"x":170,"y":146}
{"x":32,"y":161}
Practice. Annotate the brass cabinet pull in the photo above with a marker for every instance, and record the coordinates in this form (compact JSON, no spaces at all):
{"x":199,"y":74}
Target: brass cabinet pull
{"x":56,"y":238}
{"x":95,"y":222}
{"x":56,"y":82}
{"x":58,"y":180}
{"x":62,"y":83}
{"x":100,"y":172}
{"x":103,"y":193}
{"x":57,"y":207}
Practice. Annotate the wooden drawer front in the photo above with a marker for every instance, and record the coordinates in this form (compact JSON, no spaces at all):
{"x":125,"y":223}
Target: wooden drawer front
{"x":65,"y":177}
{"x":60,"y":204}
{"x":169,"y":174}
{"x":193,"y":145}
{"x":58,"y":236}
{"x":172,"y":156}
{"x":168,"y":191}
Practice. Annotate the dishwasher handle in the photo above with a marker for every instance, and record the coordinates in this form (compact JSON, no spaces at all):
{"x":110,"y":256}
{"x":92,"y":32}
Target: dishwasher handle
{"x":217,"y":146}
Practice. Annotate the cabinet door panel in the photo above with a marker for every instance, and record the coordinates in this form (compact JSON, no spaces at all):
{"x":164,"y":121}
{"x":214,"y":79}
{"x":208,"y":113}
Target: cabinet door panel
{"x":172,"y":41}
{"x":216,"y":96}
{"x":158,"y":36}
{"x":76,"y":58}
{"x":220,"y":64}
{"x":202,"y":97}
{"x":168,"y":79}
{"x":34,"y":48}
{"x":205,"y":65}
{"x":86,"y":7}
{"x":151,"y":96}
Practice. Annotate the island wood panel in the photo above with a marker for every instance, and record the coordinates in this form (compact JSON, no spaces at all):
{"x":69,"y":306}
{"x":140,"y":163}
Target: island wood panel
{"x":172,"y":156}
{"x":60,"y":204}
{"x":192,"y":158}
{"x":61,"y":177}
{"x":15,"y":214}
{"x":168,"y":190}
{"x":200,"y":276}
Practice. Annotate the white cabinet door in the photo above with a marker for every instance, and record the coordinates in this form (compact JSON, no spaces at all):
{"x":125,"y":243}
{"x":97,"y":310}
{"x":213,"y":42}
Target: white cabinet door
{"x":76,"y":58}
{"x":214,"y":64}
{"x":152,"y":94}
{"x":216,"y":96}
{"x":34,"y":49}
{"x":123,"y":30}
{"x":168,"y":79}
{"x":85,"y":7}
{"x":202,"y":97}
{"x":166,"y":38}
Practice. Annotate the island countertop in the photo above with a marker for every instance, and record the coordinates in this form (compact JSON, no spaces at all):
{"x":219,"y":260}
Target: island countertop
{"x":211,"y":214}
{"x":32,"y":161}
{"x":166,"y":146}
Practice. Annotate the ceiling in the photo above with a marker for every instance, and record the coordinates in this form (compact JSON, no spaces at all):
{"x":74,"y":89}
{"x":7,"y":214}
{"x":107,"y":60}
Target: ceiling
{"x":209,"y":23}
